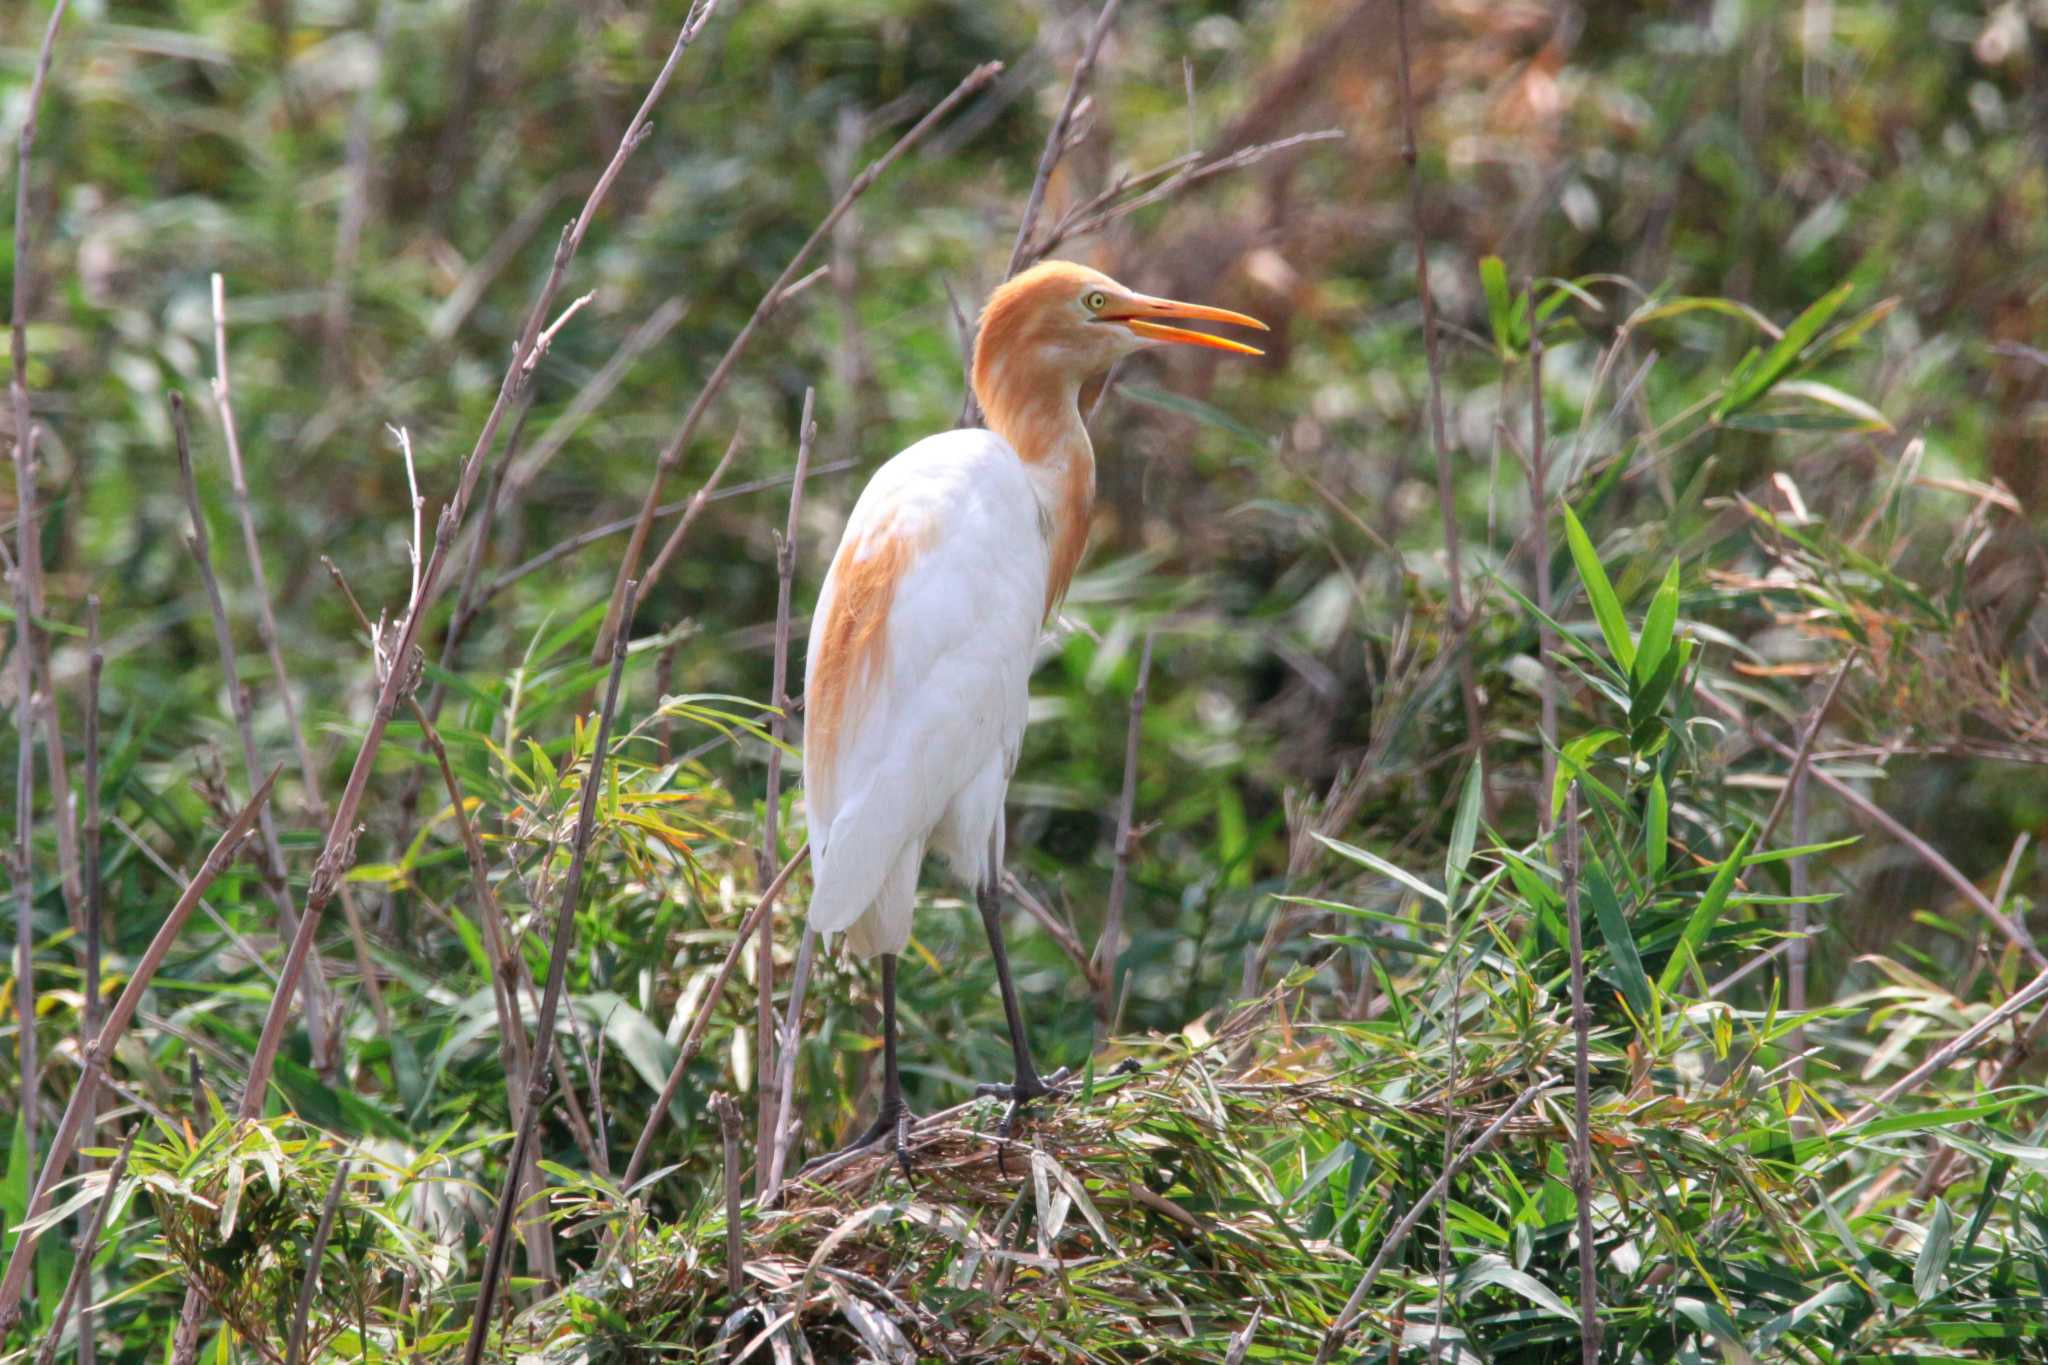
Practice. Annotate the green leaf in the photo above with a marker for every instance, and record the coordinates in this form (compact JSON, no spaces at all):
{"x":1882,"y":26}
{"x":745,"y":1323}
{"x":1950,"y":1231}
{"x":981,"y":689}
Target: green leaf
{"x":1705,"y":913}
{"x":1784,"y":354}
{"x":1384,"y":868}
{"x":1621,"y":943}
{"x":1599,"y":592}
{"x":1932,"y":1266}
{"x":1733,"y":309}
{"x":1573,"y":764}
{"x":1493,"y":275}
{"x":1655,"y":640}
{"x":1464,"y":831}
{"x":14,"y":1187}
{"x":1657,"y":827}
{"x":1495,"y":1270}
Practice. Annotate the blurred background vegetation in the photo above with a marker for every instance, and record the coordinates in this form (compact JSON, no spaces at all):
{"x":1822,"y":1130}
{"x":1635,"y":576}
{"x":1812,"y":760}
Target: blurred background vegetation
{"x":381,"y":185}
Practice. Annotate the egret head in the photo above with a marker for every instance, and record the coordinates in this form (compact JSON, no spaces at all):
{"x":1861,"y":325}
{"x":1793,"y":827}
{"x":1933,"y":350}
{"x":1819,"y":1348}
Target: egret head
{"x":1058,"y":324}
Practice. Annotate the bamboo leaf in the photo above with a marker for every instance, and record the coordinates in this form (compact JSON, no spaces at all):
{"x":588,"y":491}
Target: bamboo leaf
{"x":1705,"y":913}
{"x":1599,"y":592}
{"x":1932,"y":1267}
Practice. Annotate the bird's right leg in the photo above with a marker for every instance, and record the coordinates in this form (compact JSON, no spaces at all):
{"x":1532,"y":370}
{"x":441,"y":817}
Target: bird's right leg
{"x":892,"y":1120}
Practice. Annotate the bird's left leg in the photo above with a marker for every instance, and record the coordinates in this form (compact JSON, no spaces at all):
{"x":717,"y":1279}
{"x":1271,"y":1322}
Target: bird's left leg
{"x":1029,"y":1085}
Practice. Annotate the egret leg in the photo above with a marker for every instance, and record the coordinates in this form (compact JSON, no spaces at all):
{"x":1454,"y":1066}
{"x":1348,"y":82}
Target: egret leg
{"x":1029,"y":1085}
{"x":892,"y":1120}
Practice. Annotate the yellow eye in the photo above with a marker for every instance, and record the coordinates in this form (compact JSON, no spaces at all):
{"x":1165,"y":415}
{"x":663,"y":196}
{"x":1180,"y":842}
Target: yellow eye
{"x":1096,"y":301}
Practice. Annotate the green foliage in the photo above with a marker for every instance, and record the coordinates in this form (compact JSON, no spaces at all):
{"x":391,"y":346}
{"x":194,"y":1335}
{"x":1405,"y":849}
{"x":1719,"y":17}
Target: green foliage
{"x":1783,"y":287}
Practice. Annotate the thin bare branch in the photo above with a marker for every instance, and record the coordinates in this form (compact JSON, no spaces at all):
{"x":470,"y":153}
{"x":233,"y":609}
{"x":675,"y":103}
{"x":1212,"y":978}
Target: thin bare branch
{"x":338,"y":850}
{"x":1109,"y":947}
{"x":1795,"y":777}
{"x":28,"y":601}
{"x":355,"y":202}
{"x":550,"y":1002}
{"x":508,"y":969}
{"x":629,"y":564}
{"x":1056,"y":136}
{"x":266,"y":622}
{"x":693,"y":1040}
{"x":85,"y":1093}
{"x":276,"y":876}
{"x":769,"y":854}
{"x":690,"y":513}
{"x":776,"y":1153}
{"x":1582,"y":1101}
{"x":1446,"y":489}
{"x":1947,"y":1053}
{"x":89,"y":1016}
{"x":2014,"y":932}
{"x":729,"y":1131}
{"x":1166,"y":180}
{"x":1348,"y":1317}
{"x":81,"y":1264}
{"x":295,"y":1345}
{"x":1539,"y":507}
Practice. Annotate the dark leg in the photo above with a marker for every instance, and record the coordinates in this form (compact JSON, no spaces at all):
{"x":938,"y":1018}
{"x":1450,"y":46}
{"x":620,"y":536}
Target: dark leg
{"x":1028,"y":1085}
{"x":892,"y":1120}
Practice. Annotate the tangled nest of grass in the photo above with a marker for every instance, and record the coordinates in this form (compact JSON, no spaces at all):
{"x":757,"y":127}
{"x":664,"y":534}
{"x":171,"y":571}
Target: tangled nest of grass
{"x":1159,"y":1215}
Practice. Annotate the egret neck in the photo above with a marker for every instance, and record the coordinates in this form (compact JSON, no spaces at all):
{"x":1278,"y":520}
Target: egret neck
{"x":1039,"y":414}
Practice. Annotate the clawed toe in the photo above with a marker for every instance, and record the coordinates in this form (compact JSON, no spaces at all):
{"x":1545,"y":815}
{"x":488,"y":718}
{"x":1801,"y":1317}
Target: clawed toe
{"x":1019,"y":1094}
{"x":892,"y":1126}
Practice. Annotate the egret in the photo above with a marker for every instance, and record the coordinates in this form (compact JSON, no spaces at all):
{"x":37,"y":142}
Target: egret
{"x":917,"y":674}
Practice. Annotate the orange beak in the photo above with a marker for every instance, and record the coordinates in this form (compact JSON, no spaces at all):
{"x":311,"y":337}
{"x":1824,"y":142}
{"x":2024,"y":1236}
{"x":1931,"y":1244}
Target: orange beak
{"x":1145,"y":317}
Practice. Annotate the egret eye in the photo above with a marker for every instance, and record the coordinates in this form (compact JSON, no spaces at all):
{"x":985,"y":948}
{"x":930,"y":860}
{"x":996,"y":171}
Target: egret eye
{"x":1096,"y":301}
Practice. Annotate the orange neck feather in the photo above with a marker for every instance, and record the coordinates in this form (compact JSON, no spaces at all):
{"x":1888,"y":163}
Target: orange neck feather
{"x":1037,"y":410}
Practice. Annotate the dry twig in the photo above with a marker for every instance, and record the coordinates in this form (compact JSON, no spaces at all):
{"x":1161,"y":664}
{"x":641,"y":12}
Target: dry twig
{"x":550,"y":1002}
{"x":2014,"y":932}
{"x":729,"y":1131}
{"x":693,"y":1039}
{"x":1347,"y":1319}
{"x":276,"y":877}
{"x":1110,"y":945}
{"x":295,"y":1345}
{"x":81,"y":1264}
{"x":28,"y":569}
{"x":769,"y":854}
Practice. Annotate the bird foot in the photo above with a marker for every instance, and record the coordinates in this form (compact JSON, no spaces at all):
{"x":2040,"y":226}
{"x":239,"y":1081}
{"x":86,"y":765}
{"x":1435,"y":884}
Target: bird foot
{"x":892,"y":1125}
{"x":1019,"y":1093}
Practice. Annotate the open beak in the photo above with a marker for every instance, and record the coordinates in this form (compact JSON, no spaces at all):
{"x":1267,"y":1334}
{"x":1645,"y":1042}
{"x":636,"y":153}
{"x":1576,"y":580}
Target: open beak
{"x":1147,"y":318}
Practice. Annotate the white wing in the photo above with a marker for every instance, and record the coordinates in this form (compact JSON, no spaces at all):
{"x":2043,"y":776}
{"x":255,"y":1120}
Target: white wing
{"x":917,"y":676}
